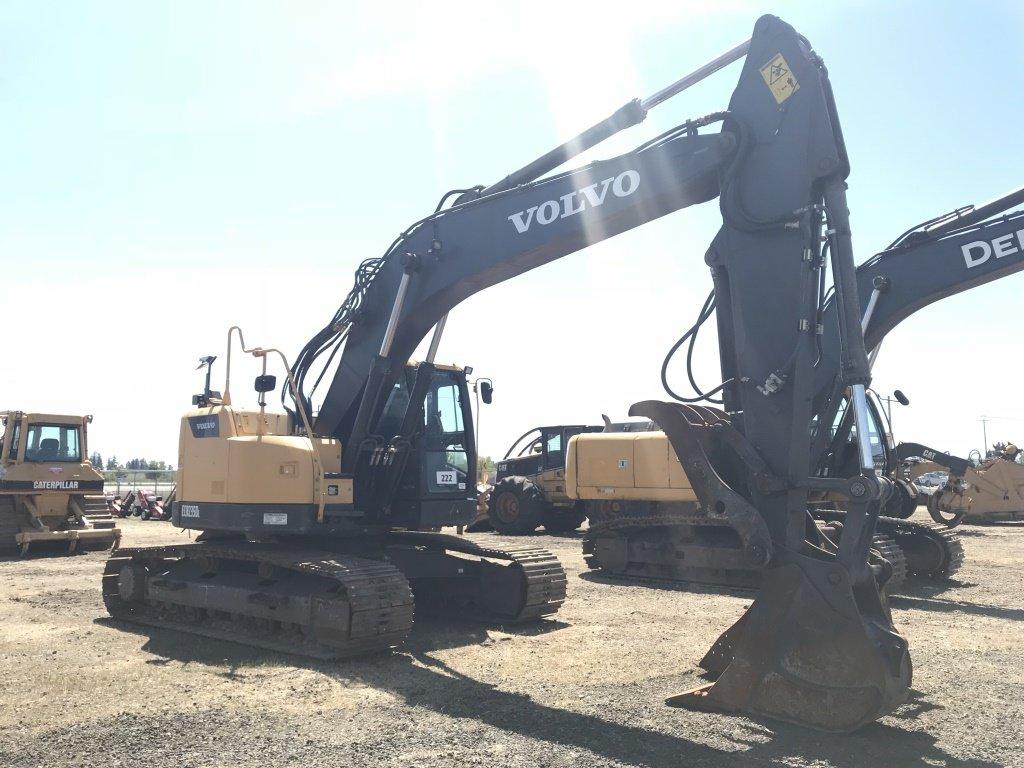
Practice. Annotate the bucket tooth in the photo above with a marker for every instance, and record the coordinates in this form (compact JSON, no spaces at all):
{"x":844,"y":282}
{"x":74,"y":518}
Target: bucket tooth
{"x":812,"y":649}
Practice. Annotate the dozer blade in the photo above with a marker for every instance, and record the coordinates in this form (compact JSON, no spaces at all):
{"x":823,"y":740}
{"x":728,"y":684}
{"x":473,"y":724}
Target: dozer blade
{"x":811,"y":650}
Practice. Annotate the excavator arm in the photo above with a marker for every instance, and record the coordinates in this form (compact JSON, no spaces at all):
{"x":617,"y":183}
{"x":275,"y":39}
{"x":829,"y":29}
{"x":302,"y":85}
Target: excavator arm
{"x":951,"y":254}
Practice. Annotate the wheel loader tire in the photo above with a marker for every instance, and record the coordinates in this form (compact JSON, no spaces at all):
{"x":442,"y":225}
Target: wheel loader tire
{"x":948,"y":519}
{"x":516,"y":506}
{"x":564,"y":520}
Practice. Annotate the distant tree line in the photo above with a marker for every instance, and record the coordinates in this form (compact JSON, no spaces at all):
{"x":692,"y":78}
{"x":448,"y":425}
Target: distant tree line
{"x":148,"y":469}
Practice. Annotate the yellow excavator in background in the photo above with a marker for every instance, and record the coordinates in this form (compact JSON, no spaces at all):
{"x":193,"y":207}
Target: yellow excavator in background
{"x":50,"y":495}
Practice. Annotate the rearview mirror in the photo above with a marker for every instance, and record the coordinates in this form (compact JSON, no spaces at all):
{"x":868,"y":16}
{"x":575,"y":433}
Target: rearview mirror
{"x":266,"y":383}
{"x":486,"y":392}
{"x":901,"y":398}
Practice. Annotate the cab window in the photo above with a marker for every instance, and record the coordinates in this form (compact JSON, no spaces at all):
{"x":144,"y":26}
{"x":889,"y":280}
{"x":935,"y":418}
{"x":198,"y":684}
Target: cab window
{"x":446,"y":458}
{"x":390,"y":423}
{"x":876,"y":437}
{"x":53,"y":442}
{"x":554,"y":458}
{"x":15,"y":430}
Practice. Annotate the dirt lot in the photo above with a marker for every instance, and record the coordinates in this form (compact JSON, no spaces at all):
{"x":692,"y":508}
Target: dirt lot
{"x":584,"y":689}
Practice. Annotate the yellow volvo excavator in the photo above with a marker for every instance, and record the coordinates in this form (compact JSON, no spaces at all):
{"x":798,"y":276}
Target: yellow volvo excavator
{"x":51,"y":497}
{"x":316,"y":533}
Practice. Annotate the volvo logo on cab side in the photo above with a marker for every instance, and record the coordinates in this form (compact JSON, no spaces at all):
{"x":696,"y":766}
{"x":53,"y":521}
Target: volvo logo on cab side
{"x":591,"y":196}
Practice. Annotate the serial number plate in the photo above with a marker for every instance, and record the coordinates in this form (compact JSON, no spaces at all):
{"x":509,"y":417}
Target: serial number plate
{"x":275,"y":518}
{"x":446,"y":478}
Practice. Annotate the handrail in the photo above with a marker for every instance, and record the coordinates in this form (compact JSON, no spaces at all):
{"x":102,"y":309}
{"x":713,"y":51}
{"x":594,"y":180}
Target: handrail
{"x":259,"y":352}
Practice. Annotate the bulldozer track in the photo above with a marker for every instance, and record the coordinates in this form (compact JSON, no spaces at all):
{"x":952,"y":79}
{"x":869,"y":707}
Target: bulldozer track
{"x":361,"y":606}
{"x":9,"y":527}
{"x":97,"y":512}
{"x":542,"y":583}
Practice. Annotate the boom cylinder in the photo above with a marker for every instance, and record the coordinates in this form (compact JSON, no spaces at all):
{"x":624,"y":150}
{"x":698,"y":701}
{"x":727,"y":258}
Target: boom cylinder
{"x":629,"y":114}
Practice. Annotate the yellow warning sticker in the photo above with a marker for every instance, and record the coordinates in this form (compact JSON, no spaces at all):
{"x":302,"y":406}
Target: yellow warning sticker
{"x":779,"y":78}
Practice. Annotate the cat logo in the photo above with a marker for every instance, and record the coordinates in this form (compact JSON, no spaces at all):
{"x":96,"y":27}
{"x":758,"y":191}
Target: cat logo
{"x":55,"y":485}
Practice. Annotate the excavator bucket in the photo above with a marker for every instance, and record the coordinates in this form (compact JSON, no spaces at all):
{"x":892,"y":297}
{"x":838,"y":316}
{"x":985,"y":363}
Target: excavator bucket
{"x":808,"y":652}
{"x":817,"y":647}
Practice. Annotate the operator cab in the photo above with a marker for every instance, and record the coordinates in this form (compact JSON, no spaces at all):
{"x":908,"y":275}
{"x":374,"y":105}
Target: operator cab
{"x":543,"y":448}
{"x":842,"y":459}
{"x":437,"y":486}
{"x":43,"y":438}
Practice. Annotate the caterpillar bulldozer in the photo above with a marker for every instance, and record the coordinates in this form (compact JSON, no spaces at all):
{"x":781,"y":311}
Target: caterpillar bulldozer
{"x":314,"y":531}
{"x":51,"y":497}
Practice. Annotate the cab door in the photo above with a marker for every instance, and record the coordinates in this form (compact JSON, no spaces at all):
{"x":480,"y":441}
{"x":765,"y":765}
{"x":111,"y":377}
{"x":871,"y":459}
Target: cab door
{"x":552,"y":476}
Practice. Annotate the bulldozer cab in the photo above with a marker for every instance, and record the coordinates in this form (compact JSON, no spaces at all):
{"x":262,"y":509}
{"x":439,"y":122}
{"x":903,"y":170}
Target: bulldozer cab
{"x":50,"y":495}
{"x":35,"y":438}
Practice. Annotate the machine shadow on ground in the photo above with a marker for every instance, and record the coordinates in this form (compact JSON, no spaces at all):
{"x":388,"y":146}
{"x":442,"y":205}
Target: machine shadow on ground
{"x":913,"y":602}
{"x":913,"y":589}
{"x":424,"y":682}
{"x":431,"y":632}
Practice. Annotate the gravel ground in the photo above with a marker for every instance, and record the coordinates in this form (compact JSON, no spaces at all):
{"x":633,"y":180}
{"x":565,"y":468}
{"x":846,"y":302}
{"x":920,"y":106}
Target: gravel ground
{"x":583,"y":689}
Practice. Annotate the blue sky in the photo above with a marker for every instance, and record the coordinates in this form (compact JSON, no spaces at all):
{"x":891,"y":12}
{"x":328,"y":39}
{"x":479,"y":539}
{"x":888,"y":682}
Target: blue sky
{"x":170,"y":169}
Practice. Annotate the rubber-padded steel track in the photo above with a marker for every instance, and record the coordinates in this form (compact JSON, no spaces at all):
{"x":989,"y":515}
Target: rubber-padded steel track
{"x":300,"y":601}
{"x":891,"y":551}
{"x":540,"y":586}
{"x":932,"y":551}
{"x":920,"y":549}
{"x":671,"y":548}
